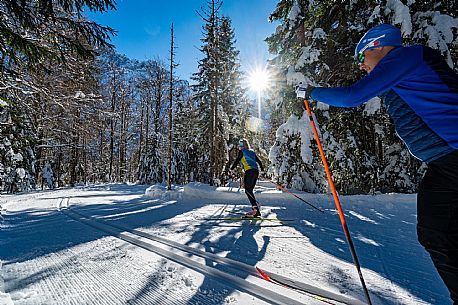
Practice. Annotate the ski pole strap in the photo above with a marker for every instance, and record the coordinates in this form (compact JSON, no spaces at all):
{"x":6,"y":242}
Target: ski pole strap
{"x":294,"y":195}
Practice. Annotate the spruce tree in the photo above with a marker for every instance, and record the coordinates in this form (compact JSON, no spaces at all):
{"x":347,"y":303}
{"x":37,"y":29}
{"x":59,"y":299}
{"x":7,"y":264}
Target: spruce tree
{"x":218,"y":93}
{"x":233,"y":94}
{"x":17,"y":159}
{"x":34,"y":30}
{"x":207,"y":88}
{"x":46,"y":79}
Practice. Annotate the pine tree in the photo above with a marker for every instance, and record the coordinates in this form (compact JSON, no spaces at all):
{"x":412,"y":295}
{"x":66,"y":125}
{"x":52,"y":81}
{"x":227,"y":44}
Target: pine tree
{"x":33,"y":30}
{"x":233,"y":95}
{"x":219,"y":94}
{"x":46,"y":79}
{"x":207,"y":85}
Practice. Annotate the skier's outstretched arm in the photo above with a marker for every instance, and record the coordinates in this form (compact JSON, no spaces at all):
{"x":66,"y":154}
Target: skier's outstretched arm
{"x":391,"y":70}
{"x":237,"y":161}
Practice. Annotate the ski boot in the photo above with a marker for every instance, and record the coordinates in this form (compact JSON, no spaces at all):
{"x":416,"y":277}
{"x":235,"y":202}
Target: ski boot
{"x":254,"y":213}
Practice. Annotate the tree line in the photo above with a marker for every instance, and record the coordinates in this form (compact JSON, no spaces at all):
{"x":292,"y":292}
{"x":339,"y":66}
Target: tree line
{"x":73,"y":111}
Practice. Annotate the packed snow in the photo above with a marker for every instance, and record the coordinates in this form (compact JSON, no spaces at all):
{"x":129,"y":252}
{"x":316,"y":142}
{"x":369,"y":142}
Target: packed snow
{"x":133,"y":244}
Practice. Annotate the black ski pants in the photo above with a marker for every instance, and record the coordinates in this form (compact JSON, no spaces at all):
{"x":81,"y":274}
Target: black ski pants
{"x":437,"y":222}
{"x":249,"y":180}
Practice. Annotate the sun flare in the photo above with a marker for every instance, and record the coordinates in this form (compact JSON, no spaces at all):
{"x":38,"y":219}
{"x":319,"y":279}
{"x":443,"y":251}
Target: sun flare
{"x":259,"y":79}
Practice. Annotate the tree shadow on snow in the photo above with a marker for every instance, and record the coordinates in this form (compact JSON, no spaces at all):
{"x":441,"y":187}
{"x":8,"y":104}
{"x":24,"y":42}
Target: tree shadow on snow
{"x":384,"y":235}
{"x":239,"y":244}
{"x":35,"y":233}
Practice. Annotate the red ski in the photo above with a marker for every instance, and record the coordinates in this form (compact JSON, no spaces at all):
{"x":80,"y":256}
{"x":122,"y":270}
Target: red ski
{"x":317,"y":293}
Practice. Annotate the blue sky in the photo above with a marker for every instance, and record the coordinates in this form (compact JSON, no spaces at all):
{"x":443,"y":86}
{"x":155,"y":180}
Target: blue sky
{"x":144,"y":30}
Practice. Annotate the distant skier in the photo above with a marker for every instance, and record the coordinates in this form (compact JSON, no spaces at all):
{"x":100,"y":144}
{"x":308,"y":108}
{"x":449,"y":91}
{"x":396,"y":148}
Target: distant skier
{"x":249,"y":159}
{"x":421,"y":96}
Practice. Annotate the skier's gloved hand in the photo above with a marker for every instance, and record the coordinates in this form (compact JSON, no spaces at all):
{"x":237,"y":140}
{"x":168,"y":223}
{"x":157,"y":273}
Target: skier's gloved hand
{"x":301,"y":90}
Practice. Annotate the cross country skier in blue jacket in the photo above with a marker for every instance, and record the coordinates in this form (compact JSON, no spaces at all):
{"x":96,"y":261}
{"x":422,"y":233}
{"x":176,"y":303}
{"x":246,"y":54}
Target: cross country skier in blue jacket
{"x":421,"y":96}
{"x":249,"y":161}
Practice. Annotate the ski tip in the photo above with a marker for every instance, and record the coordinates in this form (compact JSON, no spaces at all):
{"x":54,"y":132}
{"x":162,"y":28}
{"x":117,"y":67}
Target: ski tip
{"x":263,"y":274}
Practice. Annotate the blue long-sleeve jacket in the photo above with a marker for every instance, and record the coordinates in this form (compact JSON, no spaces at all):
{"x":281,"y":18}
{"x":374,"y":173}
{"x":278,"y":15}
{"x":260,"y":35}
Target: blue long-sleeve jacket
{"x":249,"y":160}
{"x":421,"y":96}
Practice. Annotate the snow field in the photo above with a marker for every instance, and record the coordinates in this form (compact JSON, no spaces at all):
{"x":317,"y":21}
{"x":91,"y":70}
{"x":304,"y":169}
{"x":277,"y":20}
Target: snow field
{"x":51,"y":258}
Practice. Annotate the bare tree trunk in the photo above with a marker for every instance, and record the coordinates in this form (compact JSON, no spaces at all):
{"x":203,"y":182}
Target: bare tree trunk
{"x":148,"y":105}
{"x":140,"y":140}
{"x":41,"y":136}
{"x":212,"y":140}
{"x":158,"y":87}
{"x":101,"y":161}
{"x":121,"y":156}
{"x":74,"y":157}
{"x":58,"y":167}
{"x":125,"y":130}
{"x":169,"y":169}
{"x":112,"y":126}
{"x":84,"y":160}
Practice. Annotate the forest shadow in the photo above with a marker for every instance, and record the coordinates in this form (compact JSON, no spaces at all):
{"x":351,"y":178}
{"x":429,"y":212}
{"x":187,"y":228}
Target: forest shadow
{"x":384,"y":236}
{"x":33,"y":233}
{"x":238,"y":243}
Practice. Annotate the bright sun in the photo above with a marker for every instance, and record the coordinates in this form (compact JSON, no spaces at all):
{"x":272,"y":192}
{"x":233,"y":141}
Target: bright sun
{"x":259,"y":79}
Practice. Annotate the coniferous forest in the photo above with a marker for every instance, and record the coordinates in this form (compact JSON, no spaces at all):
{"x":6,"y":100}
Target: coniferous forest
{"x":74,"y":111}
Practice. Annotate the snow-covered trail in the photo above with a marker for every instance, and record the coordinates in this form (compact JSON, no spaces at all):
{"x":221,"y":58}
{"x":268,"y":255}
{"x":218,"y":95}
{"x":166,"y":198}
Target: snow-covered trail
{"x":172,"y":251}
{"x":108,"y":271}
{"x":50,"y":258}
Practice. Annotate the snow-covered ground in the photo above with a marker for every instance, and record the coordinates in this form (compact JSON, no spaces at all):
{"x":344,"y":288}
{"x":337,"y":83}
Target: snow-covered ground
{"x":112,"y":244}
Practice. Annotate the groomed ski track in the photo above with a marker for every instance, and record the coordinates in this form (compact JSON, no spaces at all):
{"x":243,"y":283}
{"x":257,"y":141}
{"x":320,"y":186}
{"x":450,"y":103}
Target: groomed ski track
{"x":249,"y":281}
{"x":49,"y":258}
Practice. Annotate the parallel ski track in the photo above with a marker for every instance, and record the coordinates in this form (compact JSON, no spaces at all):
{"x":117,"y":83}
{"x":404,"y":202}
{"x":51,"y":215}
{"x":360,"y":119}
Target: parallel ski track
{"x":252,"y":288}
{"x":134,"y":236}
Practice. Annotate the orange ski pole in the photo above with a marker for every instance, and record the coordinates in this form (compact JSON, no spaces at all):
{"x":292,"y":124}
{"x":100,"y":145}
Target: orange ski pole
{"x":337,"y":202}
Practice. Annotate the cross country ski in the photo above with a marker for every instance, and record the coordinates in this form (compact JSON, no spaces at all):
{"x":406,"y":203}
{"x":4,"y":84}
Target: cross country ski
{"x":321,"y":294}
